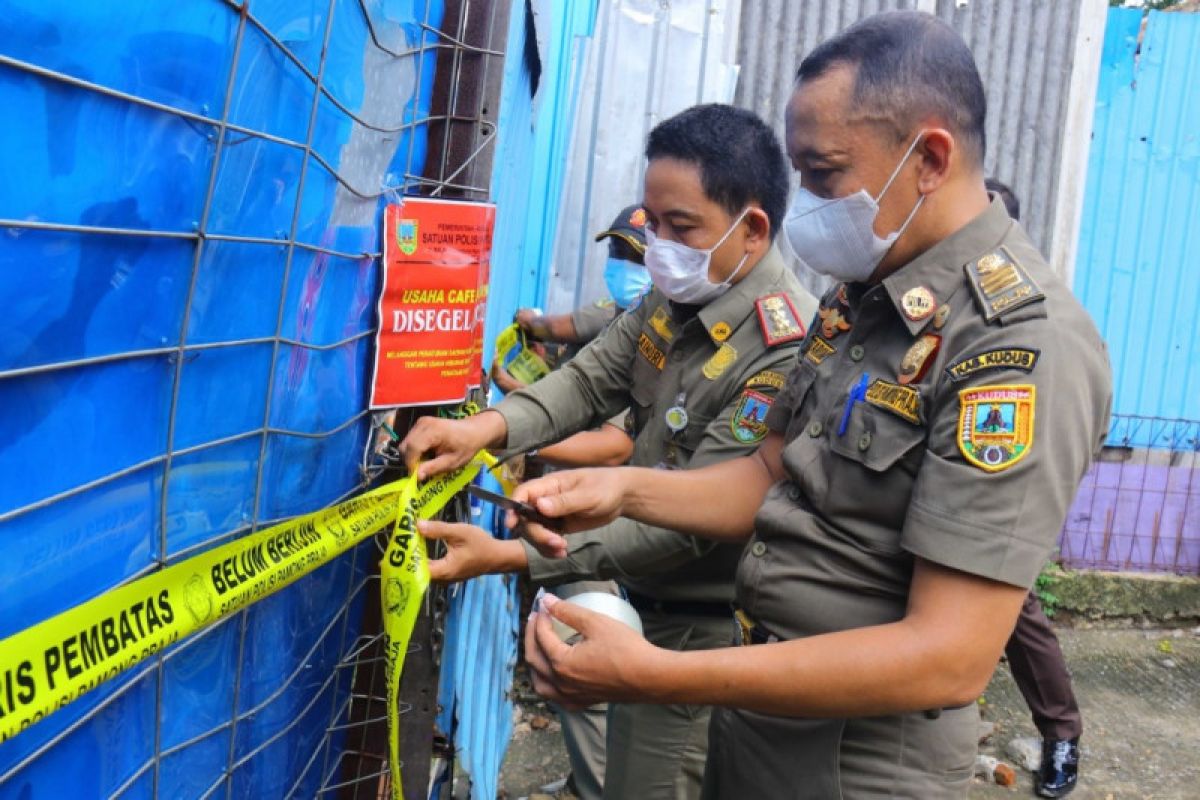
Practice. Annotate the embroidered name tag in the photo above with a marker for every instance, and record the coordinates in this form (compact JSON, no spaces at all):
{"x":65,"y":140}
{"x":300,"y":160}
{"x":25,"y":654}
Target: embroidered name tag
{"x":818,"y":350}
{"x":651,"y":353}
{"x":903,"y":401}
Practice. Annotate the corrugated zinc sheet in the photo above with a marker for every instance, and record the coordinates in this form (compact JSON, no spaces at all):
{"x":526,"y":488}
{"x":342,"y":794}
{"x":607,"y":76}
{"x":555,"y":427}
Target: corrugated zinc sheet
{"x":1024,"y":49}
{"x":532,"y":140}
{"x":1139,"y":245}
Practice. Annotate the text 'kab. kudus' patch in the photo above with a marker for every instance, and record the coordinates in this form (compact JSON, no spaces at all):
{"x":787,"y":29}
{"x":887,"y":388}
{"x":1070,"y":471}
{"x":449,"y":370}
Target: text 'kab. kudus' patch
{"x":903,"y":401}
{"x":1019,"y":358}
{"x":749,"y":423}
{"x":995,"y":425}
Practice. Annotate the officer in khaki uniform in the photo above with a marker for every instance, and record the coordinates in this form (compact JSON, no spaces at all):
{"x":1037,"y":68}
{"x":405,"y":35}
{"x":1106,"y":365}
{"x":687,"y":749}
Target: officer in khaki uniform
{"x":699,"y":373}
{"x":921,"y":458}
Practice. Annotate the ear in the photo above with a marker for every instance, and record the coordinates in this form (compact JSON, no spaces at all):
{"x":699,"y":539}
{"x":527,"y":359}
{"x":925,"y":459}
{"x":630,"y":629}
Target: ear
{"x":936,"y":150}
{"x":758,"y":228}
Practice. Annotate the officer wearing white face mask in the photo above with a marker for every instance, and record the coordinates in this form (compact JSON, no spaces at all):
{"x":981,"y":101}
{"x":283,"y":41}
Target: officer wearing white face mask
{"x":919,"y":466}
{"x":699,"y":361}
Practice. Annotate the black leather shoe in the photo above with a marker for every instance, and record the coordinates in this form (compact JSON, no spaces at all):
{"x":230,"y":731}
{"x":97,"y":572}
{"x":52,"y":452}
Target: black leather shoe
{"x":1060,"y":768}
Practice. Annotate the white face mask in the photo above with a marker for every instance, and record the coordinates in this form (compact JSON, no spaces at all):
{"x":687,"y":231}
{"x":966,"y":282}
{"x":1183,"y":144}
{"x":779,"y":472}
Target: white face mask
{"x":681,"y":272}
{"x":837,"y":237}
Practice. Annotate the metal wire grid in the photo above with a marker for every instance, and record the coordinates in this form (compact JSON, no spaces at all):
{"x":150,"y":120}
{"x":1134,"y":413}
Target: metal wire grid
{"x":363,"y":652}
{"x":1139,"y":507}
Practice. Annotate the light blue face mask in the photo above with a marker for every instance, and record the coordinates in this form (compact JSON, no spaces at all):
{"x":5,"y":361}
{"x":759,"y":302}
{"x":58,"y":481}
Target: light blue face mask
{"x":625,"y":280}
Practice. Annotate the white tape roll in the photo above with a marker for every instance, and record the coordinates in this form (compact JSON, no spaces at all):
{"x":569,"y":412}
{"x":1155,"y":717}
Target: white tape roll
{"x":602,"y":603}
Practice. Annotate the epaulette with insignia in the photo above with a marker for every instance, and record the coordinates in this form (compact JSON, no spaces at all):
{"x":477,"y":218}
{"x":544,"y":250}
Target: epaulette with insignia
{"x":1000,"y":283}
{"x":779,"y":320}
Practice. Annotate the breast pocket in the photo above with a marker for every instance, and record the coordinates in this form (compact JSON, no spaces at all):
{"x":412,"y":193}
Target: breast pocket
{"x":871,"y":470}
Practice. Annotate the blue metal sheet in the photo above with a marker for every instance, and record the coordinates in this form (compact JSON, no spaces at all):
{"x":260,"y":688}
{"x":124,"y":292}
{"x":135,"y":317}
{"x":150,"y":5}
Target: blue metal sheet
{"x":1140,"y":235}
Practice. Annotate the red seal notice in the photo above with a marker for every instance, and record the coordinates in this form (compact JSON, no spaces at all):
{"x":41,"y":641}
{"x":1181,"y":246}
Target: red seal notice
{"x":436,"y":256}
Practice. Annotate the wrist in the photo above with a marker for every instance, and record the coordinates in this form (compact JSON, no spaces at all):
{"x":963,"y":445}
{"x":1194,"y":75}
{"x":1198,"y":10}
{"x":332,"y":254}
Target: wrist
{"x":509,"y":557}
{"x":491,"y":429}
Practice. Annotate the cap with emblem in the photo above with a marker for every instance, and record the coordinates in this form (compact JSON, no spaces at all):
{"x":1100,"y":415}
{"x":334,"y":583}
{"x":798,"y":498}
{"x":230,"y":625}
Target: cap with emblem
{"x":629,"y":227}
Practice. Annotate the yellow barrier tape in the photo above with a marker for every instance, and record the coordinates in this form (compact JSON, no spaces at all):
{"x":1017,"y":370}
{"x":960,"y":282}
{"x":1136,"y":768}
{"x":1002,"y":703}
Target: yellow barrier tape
{"x":53,"y":663}
{"x":525,"y":365}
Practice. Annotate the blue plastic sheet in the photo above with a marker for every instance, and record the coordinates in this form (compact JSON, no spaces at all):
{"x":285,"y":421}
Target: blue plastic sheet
{"x":267,"y":431}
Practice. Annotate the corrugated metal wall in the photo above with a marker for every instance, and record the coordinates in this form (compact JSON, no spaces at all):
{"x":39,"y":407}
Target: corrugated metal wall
{"x":1025,"y":51}
{"x":1139,"y":243}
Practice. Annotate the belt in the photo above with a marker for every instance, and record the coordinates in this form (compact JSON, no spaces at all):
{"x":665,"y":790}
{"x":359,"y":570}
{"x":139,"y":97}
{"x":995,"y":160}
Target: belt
{"x":746,"y":631}
{"x":682,"y":608}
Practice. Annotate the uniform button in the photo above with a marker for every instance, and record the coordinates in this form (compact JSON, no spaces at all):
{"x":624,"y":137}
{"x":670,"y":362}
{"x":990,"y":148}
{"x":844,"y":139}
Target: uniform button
{"x":857,"y":352}
{"x":793,"y":493}
{"x":758,"y":549}
{"x":677,"y":355}
{"x":864,"y":441}
{"x":814,"y":430}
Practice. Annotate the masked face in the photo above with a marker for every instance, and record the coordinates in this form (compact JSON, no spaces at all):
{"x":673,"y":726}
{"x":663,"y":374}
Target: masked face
{"x":681,"y":272}
{"x":625,"y":280}
{"x":836,"y":237}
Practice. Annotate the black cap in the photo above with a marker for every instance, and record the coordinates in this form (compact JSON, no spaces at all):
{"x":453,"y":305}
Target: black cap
{"x":629,"y":227}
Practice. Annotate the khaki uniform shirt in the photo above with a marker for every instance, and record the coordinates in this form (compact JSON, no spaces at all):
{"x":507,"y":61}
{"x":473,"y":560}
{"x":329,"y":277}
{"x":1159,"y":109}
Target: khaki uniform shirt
{"x":986,"y":395}
{"x":721,"y":365}
{"x":591,"y":320}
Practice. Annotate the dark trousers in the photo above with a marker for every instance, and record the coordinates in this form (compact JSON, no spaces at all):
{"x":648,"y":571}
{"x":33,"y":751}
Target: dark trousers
{"x":1038,"y":667}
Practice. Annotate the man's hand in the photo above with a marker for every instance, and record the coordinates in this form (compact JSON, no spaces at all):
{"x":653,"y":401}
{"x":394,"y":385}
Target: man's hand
{"x":452,"y":442}
{"x":582,"y":499}
{"x":610,"y":662}
{"x":470,"y":551}
{"x":533,"y":323}
{"x":503,"y":380}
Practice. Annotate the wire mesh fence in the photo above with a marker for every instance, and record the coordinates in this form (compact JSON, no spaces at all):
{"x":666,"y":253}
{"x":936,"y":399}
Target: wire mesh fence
{"x":1139,"y":506}
{"x":306,"y":720}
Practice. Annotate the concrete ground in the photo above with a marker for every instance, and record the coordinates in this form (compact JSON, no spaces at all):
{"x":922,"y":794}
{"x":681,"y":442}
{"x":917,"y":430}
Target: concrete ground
{"x":1139,"y":690}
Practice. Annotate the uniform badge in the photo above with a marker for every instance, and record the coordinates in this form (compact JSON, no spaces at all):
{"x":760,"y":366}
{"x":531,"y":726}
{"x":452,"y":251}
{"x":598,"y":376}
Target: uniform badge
{"x":749,"y":423}
{"x":918,"y":303}
{"x":995,"y":425}
{"x":1019,"y":358}
{"x":638,"y":218}
{"x":940,"y":316}
{"x":916,"y":361}
{"x":720,"y":332}
{"x":660,"y":322}
{"x":719,"y":362}
{"x":818,"y":350}
{"x":903,"y":401}
{"x":779,"y":320}
{"x":676,"y":418}
{"x":651,"y":353}
{"x":1000,"y":284}
{"x":767,"y":379}
{"x":833,"y":322}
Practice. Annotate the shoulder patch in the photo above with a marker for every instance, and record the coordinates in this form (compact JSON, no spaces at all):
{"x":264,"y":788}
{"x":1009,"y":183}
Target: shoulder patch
{"x":995,"y":425}
{"x":778,"y":319}
{"x":1020,"y":358}
{"x":660,"y":322}
{"x":749,"y":422}
{"x":767,"y":379}
{"x":651,"y":352}
{"x":903,"y":401}
{"x":1000,"y":283}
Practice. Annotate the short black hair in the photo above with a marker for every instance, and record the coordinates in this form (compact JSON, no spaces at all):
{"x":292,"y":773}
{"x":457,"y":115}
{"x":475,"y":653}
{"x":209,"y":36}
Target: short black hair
{"x":1006,"y":196}
{"x":739,"y":157}
{"x":909,"y":65}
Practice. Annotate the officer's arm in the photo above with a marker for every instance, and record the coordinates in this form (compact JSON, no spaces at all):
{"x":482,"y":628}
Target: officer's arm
{"x":606,"y":446}
{"x":715,"y":502}
{"x":941,"y":654}
{"x":590,"y":388}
